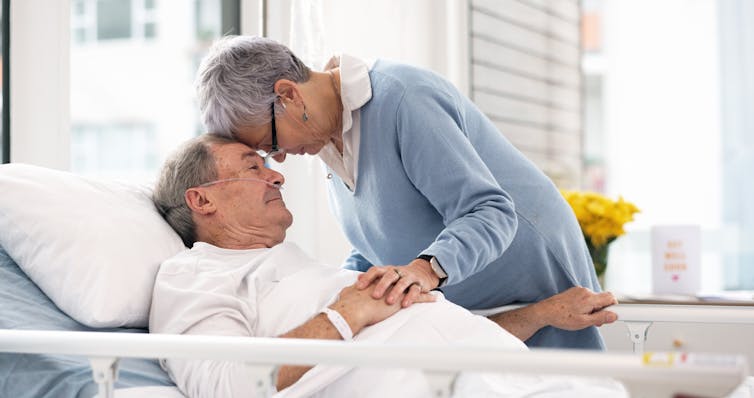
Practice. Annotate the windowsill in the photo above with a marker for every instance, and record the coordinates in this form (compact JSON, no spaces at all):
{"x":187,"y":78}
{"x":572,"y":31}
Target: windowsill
{"x":728,"y":298}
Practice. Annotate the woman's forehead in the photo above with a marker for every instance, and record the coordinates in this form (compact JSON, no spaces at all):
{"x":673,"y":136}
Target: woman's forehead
{"x":252,"y":136}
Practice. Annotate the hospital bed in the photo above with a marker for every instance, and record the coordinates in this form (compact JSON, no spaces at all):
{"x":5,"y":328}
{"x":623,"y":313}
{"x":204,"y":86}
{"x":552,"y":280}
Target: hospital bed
{"x":46,"y":353}
{"x":72,"y":360}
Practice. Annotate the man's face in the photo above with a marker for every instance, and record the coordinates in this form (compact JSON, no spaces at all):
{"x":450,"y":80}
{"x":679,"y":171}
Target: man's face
{"x":248,"y":207}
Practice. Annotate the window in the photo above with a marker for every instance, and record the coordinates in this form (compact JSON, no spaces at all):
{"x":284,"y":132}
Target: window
{"x":668,"y":92}
{"x":113,"y":19}
{"x":132,"y":94}
{"x":147,"y":19}
{"x":208,"y":19}
{"x":104,"y":20}
{"x":112,"y":148}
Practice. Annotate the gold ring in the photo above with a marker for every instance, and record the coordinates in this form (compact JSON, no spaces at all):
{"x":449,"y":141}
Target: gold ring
{"x":398,"y":272}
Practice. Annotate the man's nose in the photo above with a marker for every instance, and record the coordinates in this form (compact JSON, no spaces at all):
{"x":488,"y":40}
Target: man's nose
{"x":275,"y":177}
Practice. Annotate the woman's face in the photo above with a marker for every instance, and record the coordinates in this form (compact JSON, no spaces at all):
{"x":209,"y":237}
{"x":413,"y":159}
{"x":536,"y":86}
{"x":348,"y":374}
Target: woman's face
{"x":294,"y":134}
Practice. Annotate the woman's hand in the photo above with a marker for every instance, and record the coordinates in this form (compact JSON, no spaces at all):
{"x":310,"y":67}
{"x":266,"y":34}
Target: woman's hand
{"x":410,"y":280}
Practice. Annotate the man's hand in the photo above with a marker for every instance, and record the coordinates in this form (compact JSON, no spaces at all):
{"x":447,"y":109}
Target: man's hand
{"x":357,"y":307}
{"x":577,"y":308}
{"x":404,"y":284}
{"x":574,"y":309}
{"x":360,"y":309}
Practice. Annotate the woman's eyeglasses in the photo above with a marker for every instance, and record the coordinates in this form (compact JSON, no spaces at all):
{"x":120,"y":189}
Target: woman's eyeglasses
{"x":274,"y":148}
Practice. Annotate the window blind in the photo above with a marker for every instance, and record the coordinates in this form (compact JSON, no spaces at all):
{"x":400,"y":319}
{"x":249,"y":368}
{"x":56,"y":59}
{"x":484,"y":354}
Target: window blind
{"x":526,"y":77}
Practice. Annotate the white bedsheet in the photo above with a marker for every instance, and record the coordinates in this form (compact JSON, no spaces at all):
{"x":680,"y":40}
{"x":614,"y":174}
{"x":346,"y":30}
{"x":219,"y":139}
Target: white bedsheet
{"x":467,"y":386}
{"x":151,"y":392}
{"x":489,"y":386}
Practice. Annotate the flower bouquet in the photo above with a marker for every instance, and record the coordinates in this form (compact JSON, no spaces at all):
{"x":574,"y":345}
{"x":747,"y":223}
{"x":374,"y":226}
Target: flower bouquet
{"x":601,"y":220}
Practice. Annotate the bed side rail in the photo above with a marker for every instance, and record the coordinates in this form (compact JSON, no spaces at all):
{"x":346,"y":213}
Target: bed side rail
{"x":659,"y":375}
{"x":639,"y":317}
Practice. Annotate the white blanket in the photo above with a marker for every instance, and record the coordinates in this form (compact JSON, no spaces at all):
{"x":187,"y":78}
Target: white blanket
{"x":475,"y":386}
{"x":491,"y":386}
{"x":267,"y":292}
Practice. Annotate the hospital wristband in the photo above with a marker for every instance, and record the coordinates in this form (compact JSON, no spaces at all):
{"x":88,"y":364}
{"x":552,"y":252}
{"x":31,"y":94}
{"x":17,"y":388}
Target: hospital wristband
{"x":339,"y":322}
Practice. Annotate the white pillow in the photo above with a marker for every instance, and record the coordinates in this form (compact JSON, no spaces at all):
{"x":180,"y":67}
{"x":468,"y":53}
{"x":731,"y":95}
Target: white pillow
{"x":94,"y":247}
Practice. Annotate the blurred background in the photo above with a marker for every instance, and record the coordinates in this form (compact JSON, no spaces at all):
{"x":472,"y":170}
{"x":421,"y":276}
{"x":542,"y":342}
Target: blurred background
{"x":650,"y":100}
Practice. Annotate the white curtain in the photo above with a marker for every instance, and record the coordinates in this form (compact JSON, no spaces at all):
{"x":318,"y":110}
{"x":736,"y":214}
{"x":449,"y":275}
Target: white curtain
{"x":307,"y":39}
{"x":314,"y":228}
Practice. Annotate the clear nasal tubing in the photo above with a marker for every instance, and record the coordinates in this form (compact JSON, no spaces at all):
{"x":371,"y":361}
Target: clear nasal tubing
{"x":275,"y":185}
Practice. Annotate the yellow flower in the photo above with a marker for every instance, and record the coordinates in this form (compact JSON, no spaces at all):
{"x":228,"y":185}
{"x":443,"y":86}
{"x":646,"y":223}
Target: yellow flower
{"x":601,"y":218}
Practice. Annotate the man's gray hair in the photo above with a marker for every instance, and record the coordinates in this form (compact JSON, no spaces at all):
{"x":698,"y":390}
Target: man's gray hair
{"x":235,"y":82}
{"x":191,"y":165}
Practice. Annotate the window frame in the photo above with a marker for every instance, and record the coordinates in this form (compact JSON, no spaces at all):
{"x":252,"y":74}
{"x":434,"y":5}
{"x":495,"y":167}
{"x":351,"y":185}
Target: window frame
{"x":5,"y":132}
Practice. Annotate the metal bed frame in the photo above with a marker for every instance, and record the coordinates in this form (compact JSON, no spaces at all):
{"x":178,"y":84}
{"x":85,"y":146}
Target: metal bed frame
{"x":659,"y":375}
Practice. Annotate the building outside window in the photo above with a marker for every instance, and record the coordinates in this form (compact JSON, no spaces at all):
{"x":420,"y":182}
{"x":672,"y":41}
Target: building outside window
{"x":102,"y":20}
{"x":114,"y":147}
{"x":133,"y":64}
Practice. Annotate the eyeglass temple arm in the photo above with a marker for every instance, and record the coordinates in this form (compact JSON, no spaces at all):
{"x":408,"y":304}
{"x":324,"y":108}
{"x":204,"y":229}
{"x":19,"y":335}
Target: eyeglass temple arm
{"x":274,"y":131}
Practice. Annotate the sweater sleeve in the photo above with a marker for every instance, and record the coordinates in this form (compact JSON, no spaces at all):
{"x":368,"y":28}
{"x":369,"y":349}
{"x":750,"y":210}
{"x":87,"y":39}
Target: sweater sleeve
{"x":356,"y":262}
{"x":439,"y":159}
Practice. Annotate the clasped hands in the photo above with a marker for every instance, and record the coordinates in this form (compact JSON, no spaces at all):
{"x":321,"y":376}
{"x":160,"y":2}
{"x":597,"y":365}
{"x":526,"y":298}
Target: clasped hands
{"x":406,"y":284}
{"x":362,"y":303}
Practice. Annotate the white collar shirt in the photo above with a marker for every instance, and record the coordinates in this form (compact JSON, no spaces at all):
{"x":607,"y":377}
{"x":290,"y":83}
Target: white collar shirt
{"x":355,"y":91}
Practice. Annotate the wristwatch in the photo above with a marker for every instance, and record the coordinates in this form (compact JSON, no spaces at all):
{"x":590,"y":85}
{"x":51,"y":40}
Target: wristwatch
{"x":436,"y":268}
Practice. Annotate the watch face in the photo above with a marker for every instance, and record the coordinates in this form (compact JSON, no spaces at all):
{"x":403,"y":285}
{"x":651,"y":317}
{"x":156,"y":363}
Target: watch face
{"x":437,"y":268}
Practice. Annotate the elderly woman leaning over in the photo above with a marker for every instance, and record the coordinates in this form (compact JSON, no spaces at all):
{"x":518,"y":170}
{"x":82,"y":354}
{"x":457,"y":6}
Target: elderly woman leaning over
{"x":427,"y":190}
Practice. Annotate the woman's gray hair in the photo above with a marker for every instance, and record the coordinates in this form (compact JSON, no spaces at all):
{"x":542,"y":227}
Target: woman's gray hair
{"x":191,"y":165}
{"x":235,"y":82}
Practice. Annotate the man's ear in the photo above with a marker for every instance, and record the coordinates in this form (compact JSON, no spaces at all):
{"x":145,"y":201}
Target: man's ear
{"x":198,"y":201}
{"x":288,"y":91}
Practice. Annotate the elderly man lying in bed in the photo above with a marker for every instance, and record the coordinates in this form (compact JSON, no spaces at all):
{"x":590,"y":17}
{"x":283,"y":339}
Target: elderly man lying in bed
{"x":239,"y":278}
